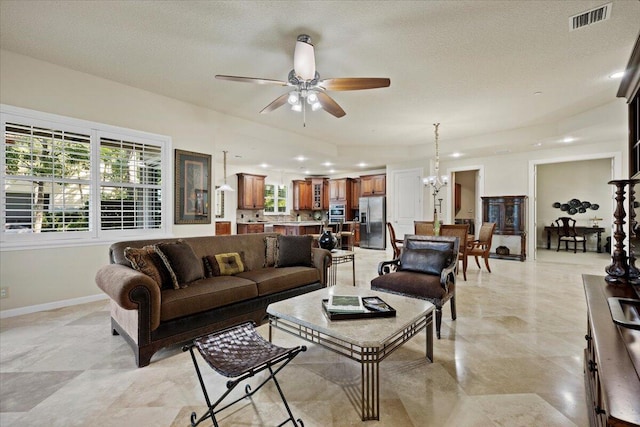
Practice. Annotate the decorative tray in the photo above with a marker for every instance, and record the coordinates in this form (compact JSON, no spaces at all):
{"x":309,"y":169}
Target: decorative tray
{"x":625,"y":312}
{"x":374,"y":307}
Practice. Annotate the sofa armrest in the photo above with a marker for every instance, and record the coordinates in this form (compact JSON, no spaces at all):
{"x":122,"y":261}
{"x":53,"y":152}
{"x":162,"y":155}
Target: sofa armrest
{"x":322,"y":261}
{"x":130,"y":289}
{"x":386,"y":267}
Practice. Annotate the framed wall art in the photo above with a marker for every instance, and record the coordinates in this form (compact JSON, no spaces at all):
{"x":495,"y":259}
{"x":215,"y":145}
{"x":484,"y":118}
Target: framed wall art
{"x":192,"y":188}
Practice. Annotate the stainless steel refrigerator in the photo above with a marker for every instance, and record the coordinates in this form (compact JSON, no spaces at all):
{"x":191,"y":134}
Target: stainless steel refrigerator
{"x":373,"y":222}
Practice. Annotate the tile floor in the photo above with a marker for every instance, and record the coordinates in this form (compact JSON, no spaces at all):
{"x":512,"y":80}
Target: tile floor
{"x":512,"y":358}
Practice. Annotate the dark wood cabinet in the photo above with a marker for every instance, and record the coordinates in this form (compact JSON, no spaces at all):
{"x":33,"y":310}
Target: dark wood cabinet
{"x":301,"y":195}
{"x":296,"y":230}
{"x":340,"y":191}
{"x":355,"y":193}
{"x":373,"y":185}
{"x":223,"y":228}
{"x":509,"y":214}
{"x":630,"y":89}
{"x":319,"y":194}
{"x":611,"y":359}
{"x":250,"y":228}
{"x":250,"y":191}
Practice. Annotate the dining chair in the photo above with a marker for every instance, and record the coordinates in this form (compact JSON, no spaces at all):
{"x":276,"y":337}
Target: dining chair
{"x":567,"y":233}
{"x":424,"y":228}
{"x":396,"y":244}
{"x":481,"y":247}
{"x":461,"y":231}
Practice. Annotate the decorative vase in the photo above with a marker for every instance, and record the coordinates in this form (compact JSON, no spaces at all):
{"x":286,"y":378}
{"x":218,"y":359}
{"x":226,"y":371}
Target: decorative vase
{"x":327,"y":240}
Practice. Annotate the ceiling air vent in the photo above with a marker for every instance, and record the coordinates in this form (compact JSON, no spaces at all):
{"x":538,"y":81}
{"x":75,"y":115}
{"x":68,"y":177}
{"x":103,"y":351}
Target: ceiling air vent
{"x":600,"y":13}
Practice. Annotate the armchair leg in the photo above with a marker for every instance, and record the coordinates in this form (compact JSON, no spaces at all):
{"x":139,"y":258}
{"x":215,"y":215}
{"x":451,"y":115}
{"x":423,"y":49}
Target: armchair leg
{"x":438,"y":321}
{"x":584,"y":245}
{"x":453,"y":308}
{"x":486,"y":262}
{"x":464,"y":268}
{"x":477,"y":262}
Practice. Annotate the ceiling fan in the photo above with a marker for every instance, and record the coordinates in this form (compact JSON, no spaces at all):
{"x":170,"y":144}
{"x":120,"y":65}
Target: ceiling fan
{"x":308,"y":89}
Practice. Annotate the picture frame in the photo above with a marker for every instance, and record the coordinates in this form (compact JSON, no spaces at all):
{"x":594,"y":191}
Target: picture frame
{"x":192,"y":192}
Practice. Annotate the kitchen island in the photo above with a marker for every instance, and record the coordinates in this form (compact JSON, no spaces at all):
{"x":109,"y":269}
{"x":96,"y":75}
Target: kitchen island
{"x":297,"y":228}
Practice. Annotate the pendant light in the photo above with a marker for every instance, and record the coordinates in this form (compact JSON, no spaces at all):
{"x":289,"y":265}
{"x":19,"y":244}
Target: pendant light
{"x":225,"y":186}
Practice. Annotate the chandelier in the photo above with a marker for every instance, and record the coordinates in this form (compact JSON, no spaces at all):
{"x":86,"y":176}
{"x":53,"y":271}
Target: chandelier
{"x":436,"y":181}
{"x":225,"y":186}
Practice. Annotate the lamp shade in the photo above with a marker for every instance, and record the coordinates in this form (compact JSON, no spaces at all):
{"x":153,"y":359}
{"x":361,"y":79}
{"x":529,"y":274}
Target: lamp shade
{"x":304,"y":61}
{"x":225,"y":187}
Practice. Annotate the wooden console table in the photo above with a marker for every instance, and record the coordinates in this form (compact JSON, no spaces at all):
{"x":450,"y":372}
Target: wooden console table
{"x":579,"y":230}
{"x":611,"y":359}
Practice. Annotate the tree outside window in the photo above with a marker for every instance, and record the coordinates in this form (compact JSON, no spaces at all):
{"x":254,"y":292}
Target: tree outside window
{"x":275,"y":199}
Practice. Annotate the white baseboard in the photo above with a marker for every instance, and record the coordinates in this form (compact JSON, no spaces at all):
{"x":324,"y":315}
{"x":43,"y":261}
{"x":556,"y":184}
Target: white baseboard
{"x":51,"y":305}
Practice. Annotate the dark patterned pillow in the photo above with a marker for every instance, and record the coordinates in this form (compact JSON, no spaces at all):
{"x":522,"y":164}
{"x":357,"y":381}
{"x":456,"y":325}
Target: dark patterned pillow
{"x":293,"y":251}
{"x":427,"y":261}
{"x":182,"y":263}
{"x":271,"y":251}
{"x":226,"y":264}
{"x":147,"y":261}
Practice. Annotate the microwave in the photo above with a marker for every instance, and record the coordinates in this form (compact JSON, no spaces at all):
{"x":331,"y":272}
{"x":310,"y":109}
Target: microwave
{"x":337,"y":212}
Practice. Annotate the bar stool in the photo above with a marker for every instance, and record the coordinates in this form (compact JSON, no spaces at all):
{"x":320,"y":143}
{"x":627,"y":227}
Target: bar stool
{"x":240,"y":352}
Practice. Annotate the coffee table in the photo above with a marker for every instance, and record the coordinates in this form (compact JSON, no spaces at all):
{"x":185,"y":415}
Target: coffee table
{"x":368,"y":341}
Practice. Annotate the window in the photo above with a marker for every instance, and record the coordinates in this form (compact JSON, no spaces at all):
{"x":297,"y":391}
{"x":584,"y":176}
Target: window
{"x":71,"y":180}
{"x":275,"y":199}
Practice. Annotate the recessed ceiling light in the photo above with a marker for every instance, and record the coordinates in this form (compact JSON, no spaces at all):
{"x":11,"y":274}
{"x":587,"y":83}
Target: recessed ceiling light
{"x":537,"y":144}
{"x":327,"y":164}
{"x":301,"y":158}
{"x":568,"y":139}
{"x":332,"y":171}
{"x":617,"y":75}
{"x":456,"y":154}
{"x":307,"y":172}
{"x":264,"y":165}
{"x":362,"y":164}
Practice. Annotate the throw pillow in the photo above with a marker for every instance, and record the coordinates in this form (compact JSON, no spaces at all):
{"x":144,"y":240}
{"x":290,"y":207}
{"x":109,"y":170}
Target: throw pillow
{"x":226,"y":264}
{"x":147,"y":261}
{"x":294,"y":250}
{"x":271,"y":251}
{"x":182,"y":263}
{"x":427,"y":261}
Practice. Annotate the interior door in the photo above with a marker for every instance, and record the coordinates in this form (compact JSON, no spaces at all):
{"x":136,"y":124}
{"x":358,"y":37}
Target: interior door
{"x":407,"y":200}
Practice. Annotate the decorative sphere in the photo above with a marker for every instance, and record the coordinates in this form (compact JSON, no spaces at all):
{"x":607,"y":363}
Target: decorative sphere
{"x":327,"y":240}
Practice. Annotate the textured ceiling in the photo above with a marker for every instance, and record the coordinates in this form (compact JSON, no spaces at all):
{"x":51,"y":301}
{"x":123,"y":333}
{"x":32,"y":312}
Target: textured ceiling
{"x":474,"y":66}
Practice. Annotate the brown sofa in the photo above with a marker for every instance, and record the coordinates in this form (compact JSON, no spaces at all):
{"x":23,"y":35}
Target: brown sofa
{"x":152,"y":315}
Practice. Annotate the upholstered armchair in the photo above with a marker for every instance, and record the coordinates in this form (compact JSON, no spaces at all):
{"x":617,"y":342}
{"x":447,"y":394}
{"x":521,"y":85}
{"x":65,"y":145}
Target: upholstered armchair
{"x":426,"y":270}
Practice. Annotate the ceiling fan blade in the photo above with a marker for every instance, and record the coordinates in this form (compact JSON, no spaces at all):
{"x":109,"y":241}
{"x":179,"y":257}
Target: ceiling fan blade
{"x":277,"y":103}
{"x":329,"y":105}
{"x":354,"y":83}
{"x":252,"y":80}
{"x":304,"y":59}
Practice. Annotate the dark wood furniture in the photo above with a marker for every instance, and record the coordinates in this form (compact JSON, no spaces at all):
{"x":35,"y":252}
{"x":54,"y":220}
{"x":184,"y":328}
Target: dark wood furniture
{"x":301,"y":195}
{"x":223,"y":228}
{"x":373,"y":185}
{"x":296,"y":229}
{"x":482,"y":246}
{"x":611,"y":359}
{"x":552,"y":229}
{"x":355,"y":194}
{"x":244,"y":228}
{"x":250,"y":191}
{"x":509,"y":213}
{"x":319,"y":194}
{"x":396,"y":243}
{"x":630,"y":89}
{"x":461,"y":231}
{"x":340,"y":191}
{"x":567,"y":233}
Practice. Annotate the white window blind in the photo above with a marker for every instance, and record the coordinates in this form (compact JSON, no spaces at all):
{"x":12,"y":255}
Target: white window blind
{"x":68,"y":179}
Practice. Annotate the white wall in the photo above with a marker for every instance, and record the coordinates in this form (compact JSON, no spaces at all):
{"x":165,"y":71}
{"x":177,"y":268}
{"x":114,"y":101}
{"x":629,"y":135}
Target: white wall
{"x":44,"y":276}
{"x":36,"y":277}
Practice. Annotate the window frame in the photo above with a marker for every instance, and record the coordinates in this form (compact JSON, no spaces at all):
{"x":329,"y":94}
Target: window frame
{"x":276,"y":198}
{"x":96,"y":131}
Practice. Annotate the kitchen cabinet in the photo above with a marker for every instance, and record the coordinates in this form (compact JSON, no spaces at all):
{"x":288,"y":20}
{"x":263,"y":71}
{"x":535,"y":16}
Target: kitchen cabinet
{"x":355,"y":193}
{"x":319,"y":194}
{"x":301,"y":195}
{"x":340,"y":191}
{"x":296,"y":230}
{"x":223,"y":228}
{"x":250,"y":191}
{"x":509,"y":214}
{"x":373,"y":185}
{"x":245,"y":228}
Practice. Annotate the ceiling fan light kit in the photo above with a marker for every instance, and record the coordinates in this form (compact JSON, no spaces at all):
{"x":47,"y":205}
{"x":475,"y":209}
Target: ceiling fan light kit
{"x":308,"y":88}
